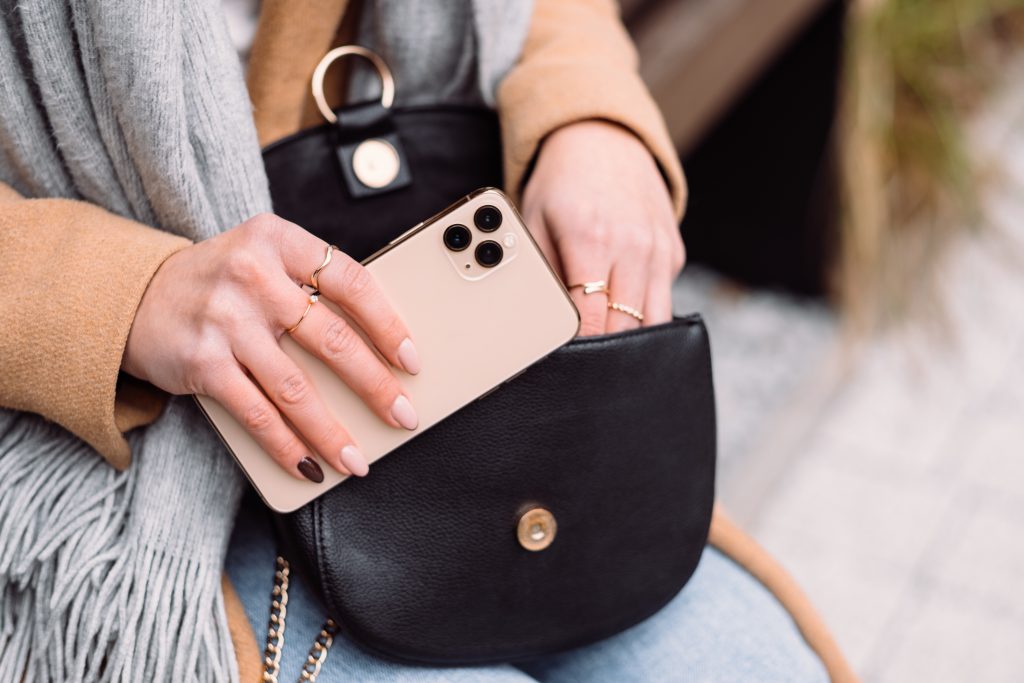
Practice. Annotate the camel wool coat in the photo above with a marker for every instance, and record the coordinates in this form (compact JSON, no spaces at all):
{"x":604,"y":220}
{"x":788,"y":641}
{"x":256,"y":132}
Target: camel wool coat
{"x":63,"y":337}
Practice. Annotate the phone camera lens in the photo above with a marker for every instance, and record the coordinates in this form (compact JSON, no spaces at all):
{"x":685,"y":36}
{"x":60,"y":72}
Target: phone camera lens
{"x":489,"y":254}
{"x":487,"y":218}
{"x":457,"y":237}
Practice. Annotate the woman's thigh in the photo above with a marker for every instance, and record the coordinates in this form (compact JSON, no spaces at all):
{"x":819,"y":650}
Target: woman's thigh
{"x":723,"y":626}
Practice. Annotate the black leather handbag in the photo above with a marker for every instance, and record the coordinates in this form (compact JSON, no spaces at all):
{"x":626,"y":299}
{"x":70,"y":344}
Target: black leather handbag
{"x":566,"y":506}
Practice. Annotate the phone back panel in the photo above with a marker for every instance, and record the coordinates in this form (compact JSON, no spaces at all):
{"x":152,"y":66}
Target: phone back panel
{"x":473,"y":327}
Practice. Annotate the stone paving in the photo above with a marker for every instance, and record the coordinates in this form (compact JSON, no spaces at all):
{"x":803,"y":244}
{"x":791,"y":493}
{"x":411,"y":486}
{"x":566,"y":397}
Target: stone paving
{"x":892,"y":485}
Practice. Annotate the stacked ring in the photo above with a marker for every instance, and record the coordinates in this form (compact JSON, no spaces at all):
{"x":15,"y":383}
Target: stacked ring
{"x":314,"y":296}
{"x":601,"y":287}
{"x":314,"y":278}
{"x":313,"y":289}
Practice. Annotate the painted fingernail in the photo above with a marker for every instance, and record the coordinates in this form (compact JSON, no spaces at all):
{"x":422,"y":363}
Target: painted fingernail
{"x":404,"y":413}
{"x":408,"y":357}
{"x":310,"y":470}
{"x":354,"y":461}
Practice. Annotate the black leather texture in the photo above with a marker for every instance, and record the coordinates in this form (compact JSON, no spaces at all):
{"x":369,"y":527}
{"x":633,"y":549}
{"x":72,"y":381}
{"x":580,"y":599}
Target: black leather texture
{"x":615,"y":435}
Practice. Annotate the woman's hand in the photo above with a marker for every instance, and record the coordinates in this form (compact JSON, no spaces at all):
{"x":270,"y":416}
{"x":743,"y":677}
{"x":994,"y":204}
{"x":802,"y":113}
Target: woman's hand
{"x":599,"y":208}
{"x":210,"y":321}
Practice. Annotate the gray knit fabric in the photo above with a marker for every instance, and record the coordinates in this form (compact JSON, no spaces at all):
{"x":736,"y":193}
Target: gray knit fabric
{"x":488,"y":37}
{"x":139,"y":106}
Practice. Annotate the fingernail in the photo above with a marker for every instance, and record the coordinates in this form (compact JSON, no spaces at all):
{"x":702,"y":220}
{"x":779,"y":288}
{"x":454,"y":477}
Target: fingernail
{"x":310,"y":470}
{"x":354,"y":461}
{"x":404,"y":413}
{"x":408,"y":357}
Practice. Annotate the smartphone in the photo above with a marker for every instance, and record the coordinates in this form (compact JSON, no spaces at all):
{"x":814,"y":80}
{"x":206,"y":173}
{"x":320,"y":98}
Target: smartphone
{"x":482,"y":304}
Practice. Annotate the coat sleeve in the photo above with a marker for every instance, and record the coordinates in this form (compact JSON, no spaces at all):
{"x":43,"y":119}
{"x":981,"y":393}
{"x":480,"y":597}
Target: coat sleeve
{"x":579,"y":63}
{"x":71,"y":279}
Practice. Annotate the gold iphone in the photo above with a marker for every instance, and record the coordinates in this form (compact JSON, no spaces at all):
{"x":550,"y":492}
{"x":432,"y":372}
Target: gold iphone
{"x":481,"y":303}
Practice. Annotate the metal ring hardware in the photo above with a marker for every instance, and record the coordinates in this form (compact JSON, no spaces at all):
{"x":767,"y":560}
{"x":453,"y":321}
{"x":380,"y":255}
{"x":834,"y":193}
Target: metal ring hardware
{"x":387,"y":81}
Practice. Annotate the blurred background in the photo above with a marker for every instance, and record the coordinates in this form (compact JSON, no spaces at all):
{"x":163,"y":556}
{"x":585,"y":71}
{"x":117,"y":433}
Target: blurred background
{"x":856,"y":244}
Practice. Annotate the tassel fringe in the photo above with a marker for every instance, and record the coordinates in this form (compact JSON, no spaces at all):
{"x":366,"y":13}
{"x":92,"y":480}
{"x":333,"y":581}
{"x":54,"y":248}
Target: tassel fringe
{"x":83,"y":596}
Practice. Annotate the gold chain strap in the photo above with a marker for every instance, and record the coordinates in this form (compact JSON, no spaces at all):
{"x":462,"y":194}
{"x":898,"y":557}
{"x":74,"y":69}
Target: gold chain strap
{"x":318,"y":653}
{"x":275,"y":629}
{"x":275,"y":633}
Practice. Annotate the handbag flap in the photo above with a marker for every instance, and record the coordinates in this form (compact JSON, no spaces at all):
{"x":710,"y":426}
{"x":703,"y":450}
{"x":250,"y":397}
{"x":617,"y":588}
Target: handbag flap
{"x":613,"y":435}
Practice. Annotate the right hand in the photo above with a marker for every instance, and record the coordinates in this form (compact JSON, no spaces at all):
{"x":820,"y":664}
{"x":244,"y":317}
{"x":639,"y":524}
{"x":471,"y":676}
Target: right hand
{"x":210,"y":321}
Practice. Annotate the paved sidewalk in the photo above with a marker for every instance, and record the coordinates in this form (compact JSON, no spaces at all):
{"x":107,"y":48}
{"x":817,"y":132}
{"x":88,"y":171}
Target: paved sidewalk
{"x":893,"y":489}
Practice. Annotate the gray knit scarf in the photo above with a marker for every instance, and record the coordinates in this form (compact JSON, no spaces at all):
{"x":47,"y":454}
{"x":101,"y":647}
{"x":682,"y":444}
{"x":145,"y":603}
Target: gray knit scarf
{"x":139,"y":106}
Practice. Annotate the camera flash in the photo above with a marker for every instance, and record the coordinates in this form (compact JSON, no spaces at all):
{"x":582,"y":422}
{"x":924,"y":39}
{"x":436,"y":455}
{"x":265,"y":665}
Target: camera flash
{"x":510,"y":240}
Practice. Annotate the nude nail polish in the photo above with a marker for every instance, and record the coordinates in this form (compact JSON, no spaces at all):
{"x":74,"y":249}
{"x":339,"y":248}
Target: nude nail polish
{"x":404,"y":413}
{"x":311,"y":470}
{"x":408,"y":356}
{"x":354,"y":461}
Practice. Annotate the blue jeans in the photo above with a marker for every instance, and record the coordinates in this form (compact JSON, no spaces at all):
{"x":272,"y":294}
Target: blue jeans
{"x":723,"y":626}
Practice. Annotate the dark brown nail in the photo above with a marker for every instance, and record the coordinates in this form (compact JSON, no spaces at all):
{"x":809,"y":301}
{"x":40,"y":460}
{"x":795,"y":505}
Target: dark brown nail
{"x":310,"y":470}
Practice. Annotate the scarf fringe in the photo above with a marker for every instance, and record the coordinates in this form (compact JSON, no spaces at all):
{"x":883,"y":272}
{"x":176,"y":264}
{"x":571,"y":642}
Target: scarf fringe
{"x":81,"y":598}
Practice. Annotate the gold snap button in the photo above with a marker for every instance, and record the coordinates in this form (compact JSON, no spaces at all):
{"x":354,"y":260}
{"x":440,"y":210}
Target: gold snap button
{"x":537,"y":528}
{"x":375,"y":163}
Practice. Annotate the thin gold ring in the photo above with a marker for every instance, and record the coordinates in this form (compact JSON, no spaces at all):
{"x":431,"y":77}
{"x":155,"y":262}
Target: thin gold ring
{"x":628,"y":310}
{"x":314,"y":296}
{"x":314,"y":278}
{"x":595,"y":287}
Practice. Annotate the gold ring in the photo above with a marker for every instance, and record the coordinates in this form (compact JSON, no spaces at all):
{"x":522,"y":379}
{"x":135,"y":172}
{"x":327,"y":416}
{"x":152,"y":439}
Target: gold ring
{"x":387,"y":81}
{"x":628,"y":310}
{"x":314,"y":278}
{"x":595,"y":287}
{"x":314,"y":296}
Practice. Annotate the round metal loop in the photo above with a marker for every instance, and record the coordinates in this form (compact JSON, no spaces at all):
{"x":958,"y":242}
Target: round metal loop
{"x":387,"y":81}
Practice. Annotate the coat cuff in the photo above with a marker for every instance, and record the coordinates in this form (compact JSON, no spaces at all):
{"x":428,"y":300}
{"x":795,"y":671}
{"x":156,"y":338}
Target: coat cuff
{"x":578,"y":63}
{"x":73,"y":278}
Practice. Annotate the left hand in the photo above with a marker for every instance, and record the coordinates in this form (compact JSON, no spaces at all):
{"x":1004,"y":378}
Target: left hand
{"x":600,"y":210}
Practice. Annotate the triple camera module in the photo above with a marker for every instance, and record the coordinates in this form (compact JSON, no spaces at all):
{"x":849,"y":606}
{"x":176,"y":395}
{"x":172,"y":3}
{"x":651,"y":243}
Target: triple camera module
{"x":488,"y":253}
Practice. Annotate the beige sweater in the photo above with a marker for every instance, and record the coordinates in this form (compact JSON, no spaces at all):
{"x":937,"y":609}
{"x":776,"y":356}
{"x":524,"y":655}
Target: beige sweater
{"x":73,"y":274}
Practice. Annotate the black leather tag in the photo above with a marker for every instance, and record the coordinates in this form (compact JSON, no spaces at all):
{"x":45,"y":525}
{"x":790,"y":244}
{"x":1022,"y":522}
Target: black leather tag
{"x":370,"y":151}
{"x":347,"y":157}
